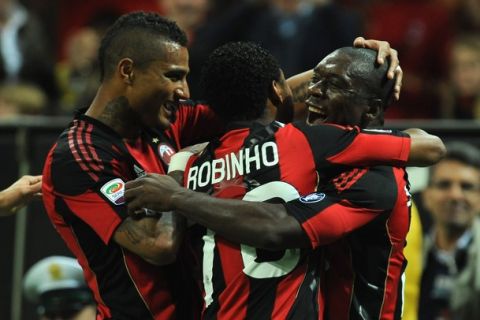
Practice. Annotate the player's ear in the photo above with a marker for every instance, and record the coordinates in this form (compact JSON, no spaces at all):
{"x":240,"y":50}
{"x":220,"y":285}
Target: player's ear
{"x":125,"y":70}
{"x":375,"y":110}
{"x":276,"y":93}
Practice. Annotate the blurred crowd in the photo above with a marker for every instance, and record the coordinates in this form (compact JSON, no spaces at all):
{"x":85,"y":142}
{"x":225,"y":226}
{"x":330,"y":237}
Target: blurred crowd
{"x":438,"y":43}
{"x":439,"y":48}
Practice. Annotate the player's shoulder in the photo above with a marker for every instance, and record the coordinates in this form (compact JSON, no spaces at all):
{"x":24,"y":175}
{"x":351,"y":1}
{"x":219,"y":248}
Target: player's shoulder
{"x":81,"y":156}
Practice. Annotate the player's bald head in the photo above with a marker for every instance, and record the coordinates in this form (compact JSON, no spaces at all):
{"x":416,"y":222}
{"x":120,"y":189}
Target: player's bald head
{"x":373,"y":76}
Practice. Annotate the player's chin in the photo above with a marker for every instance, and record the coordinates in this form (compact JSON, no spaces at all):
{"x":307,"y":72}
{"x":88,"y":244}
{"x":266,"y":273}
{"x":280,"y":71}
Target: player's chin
{"x":164,"y":118}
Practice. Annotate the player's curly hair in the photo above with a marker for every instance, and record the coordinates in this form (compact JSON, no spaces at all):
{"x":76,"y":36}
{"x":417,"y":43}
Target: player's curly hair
{"x":133,"y":35}
{"x":237,"y":79}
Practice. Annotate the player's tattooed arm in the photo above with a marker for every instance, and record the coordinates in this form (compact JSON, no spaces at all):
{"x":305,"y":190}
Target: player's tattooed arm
{"x":299,"y":86}
{"x":156,"y":240}
{"x":298,"y":110}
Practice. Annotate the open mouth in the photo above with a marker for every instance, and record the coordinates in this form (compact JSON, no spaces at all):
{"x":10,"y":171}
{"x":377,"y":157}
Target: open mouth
{"x":171,"y":106}
{"x":315,"y":115}
{"x":170,"y":109}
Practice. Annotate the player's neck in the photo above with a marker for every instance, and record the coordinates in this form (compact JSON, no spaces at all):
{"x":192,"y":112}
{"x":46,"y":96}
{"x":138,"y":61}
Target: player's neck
{"x":115,"y":113}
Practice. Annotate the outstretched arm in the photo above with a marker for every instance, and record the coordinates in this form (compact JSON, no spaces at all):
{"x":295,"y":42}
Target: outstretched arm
{"x":19,"y":194}
{"x":425,"y":149}
{"x":259,"y":224}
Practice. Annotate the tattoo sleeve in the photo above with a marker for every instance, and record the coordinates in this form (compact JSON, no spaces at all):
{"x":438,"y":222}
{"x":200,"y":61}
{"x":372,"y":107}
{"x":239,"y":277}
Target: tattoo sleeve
{"x":300,"y":92}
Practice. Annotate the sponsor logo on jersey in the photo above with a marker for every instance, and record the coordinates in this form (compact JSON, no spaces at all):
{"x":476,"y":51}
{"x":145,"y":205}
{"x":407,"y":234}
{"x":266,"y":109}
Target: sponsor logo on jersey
{"x":114,"y":191}
{"x":165,"y":152}
{"x":313,"y":197}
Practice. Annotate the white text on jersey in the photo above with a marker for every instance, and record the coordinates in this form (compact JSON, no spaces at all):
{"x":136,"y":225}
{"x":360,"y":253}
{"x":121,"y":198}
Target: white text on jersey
{"x":233,"y":165}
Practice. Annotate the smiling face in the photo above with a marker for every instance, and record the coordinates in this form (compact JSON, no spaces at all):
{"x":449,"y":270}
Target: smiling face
{"x":336,"y":95}
{"x":453,"y":195}
{"x":158,"y":86}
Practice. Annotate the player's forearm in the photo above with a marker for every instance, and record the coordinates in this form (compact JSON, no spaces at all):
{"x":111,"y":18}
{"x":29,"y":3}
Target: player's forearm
{"x":299,"y":86}
{"x":257,"y":224}
{"x":425,"y":149}
{"x":8,"y":201}
{"x":4,"y":210}
{"x":155,"y":240}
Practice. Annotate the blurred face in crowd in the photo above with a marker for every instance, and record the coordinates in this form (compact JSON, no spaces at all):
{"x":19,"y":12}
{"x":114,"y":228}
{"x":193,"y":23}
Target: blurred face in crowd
{"x":157,"y":88}
{"x":187,"y":13}
{"x":82,"y":49}
{"x":334,"y":96}
{"x":288,"y":6}
{"x":465,"y":70}
{"x":453,"y":195}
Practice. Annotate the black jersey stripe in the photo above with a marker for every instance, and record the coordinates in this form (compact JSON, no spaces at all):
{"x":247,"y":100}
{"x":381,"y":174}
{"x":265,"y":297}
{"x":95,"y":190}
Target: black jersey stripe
{"x":90,"y":149}
{"x":218,"y":287}
{"x":306,"y":303}
{"x":73,"y":145}
{"x":83,"y":147}
{"x":100,"y":255}
{"x":371,"y":252}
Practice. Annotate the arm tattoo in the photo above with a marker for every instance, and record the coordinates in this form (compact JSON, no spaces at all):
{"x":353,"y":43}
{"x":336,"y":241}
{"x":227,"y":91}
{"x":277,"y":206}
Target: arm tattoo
{"x":300,"y":92}
{"x":133,"y":233}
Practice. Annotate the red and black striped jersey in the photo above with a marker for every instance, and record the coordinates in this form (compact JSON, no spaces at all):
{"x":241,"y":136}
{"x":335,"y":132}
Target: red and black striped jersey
{"x":364,"y":219}
{"x":83,"y":182}
{"x":276,"y":163}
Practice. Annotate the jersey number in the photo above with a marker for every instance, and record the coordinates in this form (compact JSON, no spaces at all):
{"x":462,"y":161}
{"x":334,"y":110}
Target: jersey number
{"x":258,"y":270}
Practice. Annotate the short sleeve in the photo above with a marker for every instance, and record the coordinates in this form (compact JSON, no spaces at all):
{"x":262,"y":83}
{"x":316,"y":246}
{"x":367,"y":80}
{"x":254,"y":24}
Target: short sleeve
{"x":194,"y":123}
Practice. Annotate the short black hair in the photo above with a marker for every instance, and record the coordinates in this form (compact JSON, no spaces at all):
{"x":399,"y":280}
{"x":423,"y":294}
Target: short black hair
{"x":237,"y":78}
{"x":133,"y":35}
{"x":460,"y":151}
{"x":372,"y":74}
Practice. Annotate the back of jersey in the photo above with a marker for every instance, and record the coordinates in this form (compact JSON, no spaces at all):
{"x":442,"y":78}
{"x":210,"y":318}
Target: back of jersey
{"x":257,"y":164}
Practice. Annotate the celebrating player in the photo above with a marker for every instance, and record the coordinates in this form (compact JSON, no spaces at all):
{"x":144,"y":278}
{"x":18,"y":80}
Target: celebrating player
{"x":253,"y":266}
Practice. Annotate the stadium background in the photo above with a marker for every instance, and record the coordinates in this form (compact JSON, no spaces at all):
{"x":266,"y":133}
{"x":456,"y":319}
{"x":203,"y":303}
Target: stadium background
{"x":25,"y":139}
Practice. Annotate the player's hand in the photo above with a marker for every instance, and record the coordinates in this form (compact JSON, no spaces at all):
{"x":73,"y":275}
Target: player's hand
{"x":20,"y":193}
{"x":384,"y":51}
{"x":196,"y":148}
{"x":152,"y":191}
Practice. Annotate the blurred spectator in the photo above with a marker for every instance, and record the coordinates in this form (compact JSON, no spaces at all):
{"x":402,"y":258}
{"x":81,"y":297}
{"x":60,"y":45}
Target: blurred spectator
{"x":413,"y":272}
{"x":450,"y":286}
{"x":24,"y":54}
{"x":188,"y":14}
{"x":77,"y":75}
{"x":466,"y":14}
{"x":297,"y":32}
{"x":421,"y":32}
{"x":74,"y":15}
{"x":56,"y":285}
{"x":22,"y":99}
{"x":461,"y":96}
